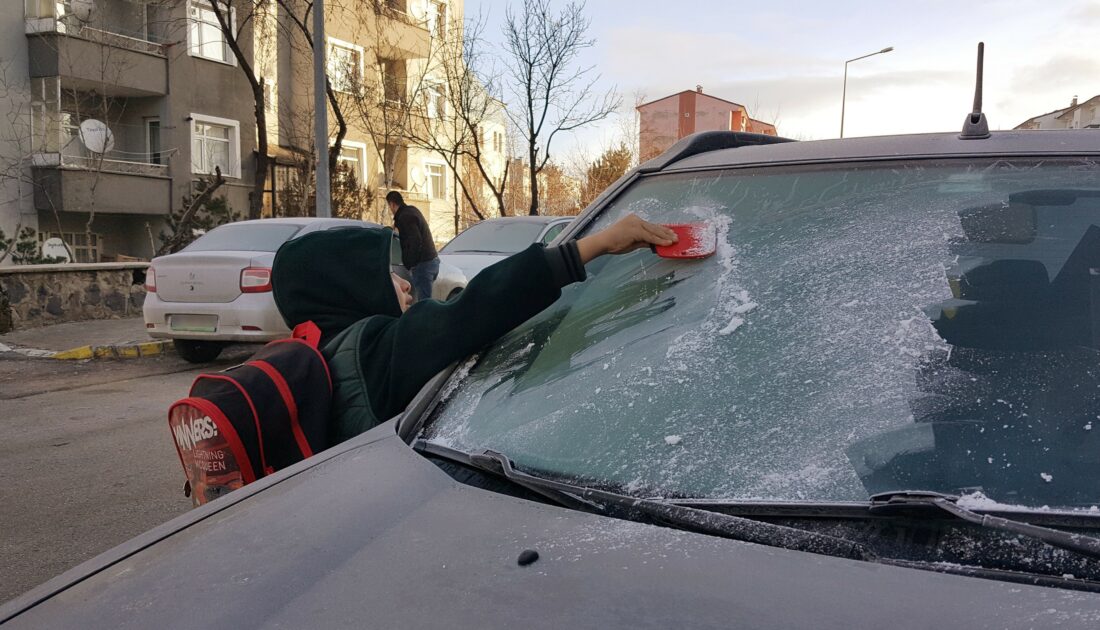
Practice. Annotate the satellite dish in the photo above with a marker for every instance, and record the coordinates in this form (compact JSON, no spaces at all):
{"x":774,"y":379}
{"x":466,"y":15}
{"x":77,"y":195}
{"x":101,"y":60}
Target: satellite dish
{"x":96,"y":136}
{"x":415,"y":174}
{"x":55,"y":248}
{"x":83,"y":9}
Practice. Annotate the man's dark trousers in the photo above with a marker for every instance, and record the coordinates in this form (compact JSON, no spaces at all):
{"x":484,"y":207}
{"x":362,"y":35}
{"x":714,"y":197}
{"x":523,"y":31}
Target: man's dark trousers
{"x":423,"y":276}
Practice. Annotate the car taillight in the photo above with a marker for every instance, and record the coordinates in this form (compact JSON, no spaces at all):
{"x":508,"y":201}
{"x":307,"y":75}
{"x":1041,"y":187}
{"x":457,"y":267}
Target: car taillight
{"x":150,"y":280}
{"x":255,"y":280}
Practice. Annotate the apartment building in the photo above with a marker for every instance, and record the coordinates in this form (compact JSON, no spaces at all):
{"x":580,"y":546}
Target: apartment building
{"x":385,"y":68}
{"x":1084,"y":115}
{"x":667,"y":119}
{"x":119,"y":107}
{"x":122,"y":106}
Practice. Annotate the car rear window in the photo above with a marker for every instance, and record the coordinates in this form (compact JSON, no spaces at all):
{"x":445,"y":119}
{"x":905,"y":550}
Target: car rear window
{"x":495,"y":237}
{"x":862,"y":328}
{"x":245,"y":237}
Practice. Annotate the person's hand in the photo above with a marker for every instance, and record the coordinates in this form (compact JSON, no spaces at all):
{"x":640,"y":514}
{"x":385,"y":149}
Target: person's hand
{"x":626,"y":235}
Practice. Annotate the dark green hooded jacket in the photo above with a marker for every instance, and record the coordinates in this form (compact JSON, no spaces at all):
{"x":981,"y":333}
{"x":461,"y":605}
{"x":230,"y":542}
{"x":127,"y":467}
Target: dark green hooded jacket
{"x":379,"y":357}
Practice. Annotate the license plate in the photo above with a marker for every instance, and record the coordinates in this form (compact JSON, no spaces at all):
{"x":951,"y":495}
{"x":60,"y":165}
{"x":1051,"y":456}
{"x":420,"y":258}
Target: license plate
{"x":194,"y":323}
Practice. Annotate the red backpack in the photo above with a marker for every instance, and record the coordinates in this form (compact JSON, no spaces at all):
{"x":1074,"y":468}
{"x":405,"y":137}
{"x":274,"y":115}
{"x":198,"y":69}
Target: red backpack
{"x":251,"y":420}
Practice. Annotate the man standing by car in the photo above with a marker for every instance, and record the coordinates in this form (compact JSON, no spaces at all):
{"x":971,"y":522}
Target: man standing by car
{"x":417,"y":247}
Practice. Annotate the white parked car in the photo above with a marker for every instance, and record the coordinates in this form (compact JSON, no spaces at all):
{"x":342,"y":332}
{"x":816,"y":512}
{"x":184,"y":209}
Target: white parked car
{"x":217,"y":290}
{"x":492,"y":240}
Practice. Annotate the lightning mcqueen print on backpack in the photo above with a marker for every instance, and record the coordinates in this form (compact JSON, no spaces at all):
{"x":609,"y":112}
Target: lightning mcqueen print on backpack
{"x":253,"y":419}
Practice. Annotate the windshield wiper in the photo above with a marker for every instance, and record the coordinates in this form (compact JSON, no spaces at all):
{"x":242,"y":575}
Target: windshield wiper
{"x":917,"y":503}
{"x":670,"y":514}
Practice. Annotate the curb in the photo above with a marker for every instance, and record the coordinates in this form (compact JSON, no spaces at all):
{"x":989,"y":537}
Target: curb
{"x":84,"y":353}
{"x":122,"y":351}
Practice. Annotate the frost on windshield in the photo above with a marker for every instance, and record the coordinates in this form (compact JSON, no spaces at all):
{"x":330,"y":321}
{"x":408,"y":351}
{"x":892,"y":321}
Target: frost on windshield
{"x":820,"y":354}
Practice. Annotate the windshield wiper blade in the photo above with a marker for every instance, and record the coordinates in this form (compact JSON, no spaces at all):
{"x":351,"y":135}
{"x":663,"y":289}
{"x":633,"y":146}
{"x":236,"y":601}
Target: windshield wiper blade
{"x":913,"y":503}
{"x":678,"y":516}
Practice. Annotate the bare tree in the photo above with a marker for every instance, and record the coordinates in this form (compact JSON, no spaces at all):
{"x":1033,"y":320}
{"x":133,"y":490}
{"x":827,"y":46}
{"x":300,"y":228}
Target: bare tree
{"x":552,"y":93}
{"x":250,"y":16}
{"x":183,"y":223}
{"x":391,"y":100}
{"x":457,"y":125}
{"x":299,"y":14}
{"x":15,"y":154}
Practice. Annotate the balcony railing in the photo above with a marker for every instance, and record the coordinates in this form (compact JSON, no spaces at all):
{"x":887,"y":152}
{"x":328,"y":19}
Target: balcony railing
{"x":394,"y":11}
{"x":410,"y":197}
{"x":69,"y":25}
{"x":102,"y":164}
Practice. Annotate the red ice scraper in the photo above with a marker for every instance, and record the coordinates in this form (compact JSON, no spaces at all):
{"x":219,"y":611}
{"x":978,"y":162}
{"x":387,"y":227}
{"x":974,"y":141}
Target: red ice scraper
{"x":697,"y":240}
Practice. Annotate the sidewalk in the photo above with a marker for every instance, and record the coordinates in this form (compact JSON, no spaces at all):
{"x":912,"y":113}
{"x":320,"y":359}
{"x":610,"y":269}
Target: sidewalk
{"x":104,"y":338}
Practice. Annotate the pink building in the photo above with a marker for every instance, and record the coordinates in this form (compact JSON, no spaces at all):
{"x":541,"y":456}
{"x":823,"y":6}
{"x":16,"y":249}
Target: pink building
{"x":666,"y":120}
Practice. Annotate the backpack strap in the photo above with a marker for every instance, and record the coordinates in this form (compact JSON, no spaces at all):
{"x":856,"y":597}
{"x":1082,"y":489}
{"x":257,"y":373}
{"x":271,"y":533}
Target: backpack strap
{"x":308,"y":332}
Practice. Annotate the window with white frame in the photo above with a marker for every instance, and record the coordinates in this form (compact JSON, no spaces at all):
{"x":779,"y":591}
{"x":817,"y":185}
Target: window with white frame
{"x":204,"y":33}
{"x":271,"y":96}
{"x":344,"y":62}
{"x":84,"y":246}
{"x":352,"y":160}
{"x":437,"y":16}
{"x":215,"y":142}
{"x":437,"y":180}
{"x":437,"y":101}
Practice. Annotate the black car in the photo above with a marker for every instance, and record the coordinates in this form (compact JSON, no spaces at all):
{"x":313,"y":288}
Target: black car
{"x":877,"y":406}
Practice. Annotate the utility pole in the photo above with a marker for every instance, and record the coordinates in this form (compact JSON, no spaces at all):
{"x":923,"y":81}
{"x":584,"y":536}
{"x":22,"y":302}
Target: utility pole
{"x":844,"y":94}
{"x":320,"y":111}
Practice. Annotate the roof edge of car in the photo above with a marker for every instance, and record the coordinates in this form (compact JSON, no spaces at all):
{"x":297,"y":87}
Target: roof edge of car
{"x":704,"y":142}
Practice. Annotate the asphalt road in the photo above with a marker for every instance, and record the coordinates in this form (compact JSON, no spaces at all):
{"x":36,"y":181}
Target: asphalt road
{"x":86,"y":459}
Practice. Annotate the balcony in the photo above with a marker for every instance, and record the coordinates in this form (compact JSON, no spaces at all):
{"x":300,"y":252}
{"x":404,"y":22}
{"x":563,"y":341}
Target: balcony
{"x":76,"y":184}
{"x":413,"y":198}
{"x":70,"y":178}
{"x":90,"y":58}
{"x":403,"y":35}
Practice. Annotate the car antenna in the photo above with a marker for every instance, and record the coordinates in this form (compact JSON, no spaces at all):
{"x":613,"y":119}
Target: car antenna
{"x":976,"y":127}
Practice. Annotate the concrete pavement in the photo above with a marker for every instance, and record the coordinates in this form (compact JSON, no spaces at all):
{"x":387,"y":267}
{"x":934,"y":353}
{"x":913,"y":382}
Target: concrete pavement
{"x":105,"y":338}
{"x":87,"y":461}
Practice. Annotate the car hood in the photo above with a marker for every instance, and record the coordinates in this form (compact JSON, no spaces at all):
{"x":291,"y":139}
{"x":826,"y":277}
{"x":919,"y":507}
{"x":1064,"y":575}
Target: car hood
{"x":471,"y":264}
{"x":373,"y":535}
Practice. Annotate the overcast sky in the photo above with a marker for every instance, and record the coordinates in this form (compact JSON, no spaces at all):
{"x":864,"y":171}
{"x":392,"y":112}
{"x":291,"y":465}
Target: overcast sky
{"x":784,"y":59}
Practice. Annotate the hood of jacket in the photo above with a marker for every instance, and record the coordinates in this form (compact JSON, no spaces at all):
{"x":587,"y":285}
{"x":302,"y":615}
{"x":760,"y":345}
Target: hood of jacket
{"x":335,"y":278}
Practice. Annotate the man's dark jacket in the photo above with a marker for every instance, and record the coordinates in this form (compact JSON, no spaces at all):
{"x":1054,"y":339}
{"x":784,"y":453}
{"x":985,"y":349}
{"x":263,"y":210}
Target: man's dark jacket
{"x":379,"y":357}
{"x":417,"y":245}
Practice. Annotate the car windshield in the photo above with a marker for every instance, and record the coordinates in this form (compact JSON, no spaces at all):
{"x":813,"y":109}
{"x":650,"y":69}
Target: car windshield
{"x":495,"y":237}
{"x":862,"y":328}
{"x":244,"y":237}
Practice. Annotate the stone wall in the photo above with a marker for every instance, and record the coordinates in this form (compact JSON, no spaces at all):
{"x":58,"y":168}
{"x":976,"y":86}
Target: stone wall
{"x":36,"y":295}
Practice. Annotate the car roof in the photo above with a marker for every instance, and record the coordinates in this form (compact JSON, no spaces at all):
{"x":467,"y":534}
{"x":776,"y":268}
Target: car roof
{"x":915,"y":146}
{"x":541,"y":219}
{"x":304,"y":221}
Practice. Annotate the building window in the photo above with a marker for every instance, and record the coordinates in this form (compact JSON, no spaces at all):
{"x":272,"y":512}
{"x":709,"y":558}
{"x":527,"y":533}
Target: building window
{"x":84,"y":246}
{"x":353,"y":161}
{"x":271,"y":97}
{"x":394,"y":80}
{"x":437,"y":101}
{"x":345,"y":65}
{"x":215,"y":142}
{"x":152,"y":141}
{"x":206,"y":39}
{"x":437,"y":180}
{"x":438,"y":18}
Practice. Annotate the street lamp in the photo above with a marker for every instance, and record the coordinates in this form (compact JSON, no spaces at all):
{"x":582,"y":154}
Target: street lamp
{"x":322,"y":193}
{"x":845,"y":93}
